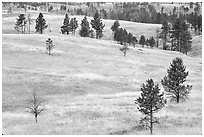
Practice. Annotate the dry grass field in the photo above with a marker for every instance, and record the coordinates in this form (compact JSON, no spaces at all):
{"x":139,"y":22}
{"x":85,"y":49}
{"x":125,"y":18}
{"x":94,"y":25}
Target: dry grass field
{"x":89,"y":86}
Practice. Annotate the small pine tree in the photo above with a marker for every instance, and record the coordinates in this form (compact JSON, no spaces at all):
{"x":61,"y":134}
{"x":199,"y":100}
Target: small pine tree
{"x":115,"y":26}
{"x":65,"y":28}
{"x":150,"y":102}
{"x":20,"y":23}
{"x":49,"y":45}
{"x":173,"y":82}
{"x":134,"y":41}
{"x":152,"y":42}
{"x":40,"y":24}
{"x":85,"y":29}
{"x":98,"y":25}
{"x":142,"y":40}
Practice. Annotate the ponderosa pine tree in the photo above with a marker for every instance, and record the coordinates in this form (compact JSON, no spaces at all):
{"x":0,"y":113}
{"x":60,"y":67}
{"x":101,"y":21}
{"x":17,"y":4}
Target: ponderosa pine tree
{"x":115,"y":26}
{"x":186,"y":39}
{"x":164,"y":32}
{"x":142,"y":40}
{"x":98,"y":25}
{"x":151,"y":42}
{"x":65,"y":28}
{"x":73,"y":25}
{"x":150,"y":102}
{"x":85,"y":29}
{"x":173,"y":82}
{"x":20,"y":23}
{"x":40,"y":24}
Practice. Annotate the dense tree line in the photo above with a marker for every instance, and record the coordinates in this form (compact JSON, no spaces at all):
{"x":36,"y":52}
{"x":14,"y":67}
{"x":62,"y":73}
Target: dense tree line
{"x":121,"y":35}
{"x":179,"y":35}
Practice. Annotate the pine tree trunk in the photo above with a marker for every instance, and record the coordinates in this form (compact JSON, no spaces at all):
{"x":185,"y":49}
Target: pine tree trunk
{"x":151,"y":122}
{"x":29,"y":27}
{"x":36,"y":119}
{"x":49,"y":51}
{"x":164,"y":43}
{"x":177,"y":97}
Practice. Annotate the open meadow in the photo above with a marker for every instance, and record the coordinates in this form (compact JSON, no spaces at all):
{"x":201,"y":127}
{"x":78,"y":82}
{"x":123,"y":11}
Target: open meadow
{"x":88,"y":85}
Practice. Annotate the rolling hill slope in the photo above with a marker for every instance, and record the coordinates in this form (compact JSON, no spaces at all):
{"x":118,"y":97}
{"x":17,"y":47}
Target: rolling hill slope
{"x":89,"y":86}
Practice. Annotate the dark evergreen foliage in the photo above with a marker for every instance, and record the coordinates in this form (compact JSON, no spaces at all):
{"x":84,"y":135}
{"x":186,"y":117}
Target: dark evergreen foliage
{"x":98,"y":25}
{"x":173,"y":82}
{"x":85,"y":29}
{"x":150,"y":102}
{"x":142,"y":40}
{"x":40,"y":24}
{"x":115,"y":26}
{"x":152,"y":42}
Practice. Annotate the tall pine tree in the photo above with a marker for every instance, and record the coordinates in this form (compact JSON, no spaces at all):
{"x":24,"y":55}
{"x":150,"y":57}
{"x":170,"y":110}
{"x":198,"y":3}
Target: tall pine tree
{"x":150,"y":102}
{"x":40,"y":24}
{"x":85,"y":29}
{"x":173,"y":82}
{"x":165,"y":31}
{"x":98,"y":25}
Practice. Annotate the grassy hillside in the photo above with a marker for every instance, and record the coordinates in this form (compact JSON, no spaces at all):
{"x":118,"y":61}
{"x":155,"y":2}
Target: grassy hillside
{"x":89,"y":87}
{"x":56,"y":22}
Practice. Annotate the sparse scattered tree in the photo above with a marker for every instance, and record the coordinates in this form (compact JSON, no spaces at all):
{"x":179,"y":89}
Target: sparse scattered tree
{"x":40,"y":24}
{"x":150,"y":102}
{"x":49,"y":45}
{"x":35,"y":104}
{"x":173,"y":82}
